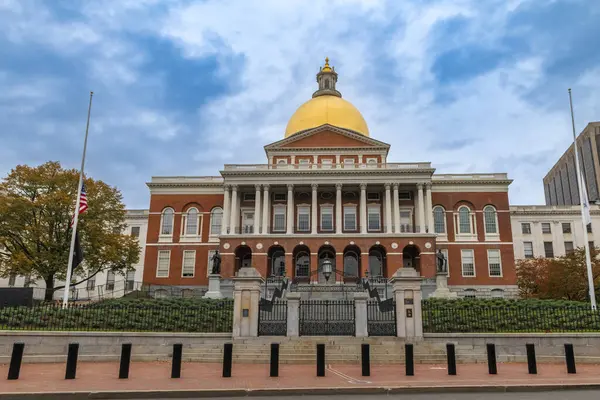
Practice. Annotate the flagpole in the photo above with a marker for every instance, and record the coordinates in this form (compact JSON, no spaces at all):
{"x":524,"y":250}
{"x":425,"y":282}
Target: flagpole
{"x":76,"y":215}
{"x":582,"y":201}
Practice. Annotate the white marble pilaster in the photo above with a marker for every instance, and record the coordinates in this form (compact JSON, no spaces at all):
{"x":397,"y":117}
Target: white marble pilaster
{"x":313,"y":210}
{"x":234,"y":210}
{"x":257,"y":210}
{"x":266,"y":210}
{"x":226,"y":210}
{"x":363,"y":208}
{"x":429,"y":207}
{"x":421,"y":208}
{"x":290,"y":209}
{"x":338,"y":208}
{"x":388,"y":209}
{"x":396,"y":200}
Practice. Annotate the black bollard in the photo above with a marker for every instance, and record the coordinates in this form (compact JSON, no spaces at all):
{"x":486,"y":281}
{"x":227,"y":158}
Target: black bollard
{"x":274,"y":360}
{"x":491,"y":354}
{"x":72,"y":361}
{"x":227,"y":360}
{"x":570,"y":357}
{"x":15,"y":361}
{"x":366,"y":359}
{"x":409,"y":359}
{"x":176,"y":361}
{"x":125,"y":361}
{"x":320,"y":359}
{"x":451,"y":353}
{"x":531,"y":363}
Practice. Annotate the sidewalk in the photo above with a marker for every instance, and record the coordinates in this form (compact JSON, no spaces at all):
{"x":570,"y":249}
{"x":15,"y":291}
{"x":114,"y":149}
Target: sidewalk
{"x":298,"y":379}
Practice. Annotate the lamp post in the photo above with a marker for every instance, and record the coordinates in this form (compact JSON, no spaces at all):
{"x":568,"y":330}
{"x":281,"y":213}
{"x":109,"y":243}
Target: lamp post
{"x":326,"y":268}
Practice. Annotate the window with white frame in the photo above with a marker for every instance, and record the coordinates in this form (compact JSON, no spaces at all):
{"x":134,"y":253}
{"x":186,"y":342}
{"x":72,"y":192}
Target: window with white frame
{"x":350,"y":218}
{"x":569,"y":248}
{"x":470,"y":293}
{"x":464,"y":221}
{"x":439,"y":220}
{"x":211,"y":253}
{"x":494,"y":262}
{"x":404,"y":195}
{"x":373,"y":196}
{"x":190,"y":222}
{"x":216,"y":221}
{"x":406,"y":221}
{"x":163,"y":263}
{"x":548,"y":249}
{"x":528,"y":249}
{"x":468,"y":262}
{"x":546,"y":228}
{"x":279,"y":218}
{"x":326,"y":217}
{"x":135,"y":231}
{"x":166,"y":223}
{"x":525,"y":228}
{"x":374,"y":217}
{"x":348,"y":162}
{"x":490,"y":218}
{"x":566,"y":227}
{"x":130,"y":280}
{"x":326,"y":163}
{"x":497,"y":294}
{"x":110,"y":281}
{"x":188,"y":267}
{"x":303,"y":218}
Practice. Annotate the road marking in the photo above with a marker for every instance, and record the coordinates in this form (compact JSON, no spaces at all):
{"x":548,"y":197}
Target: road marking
{"x":347,"y":377}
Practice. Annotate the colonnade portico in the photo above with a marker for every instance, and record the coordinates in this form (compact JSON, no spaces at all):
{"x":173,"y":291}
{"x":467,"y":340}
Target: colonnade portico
{"x":390,"y":203}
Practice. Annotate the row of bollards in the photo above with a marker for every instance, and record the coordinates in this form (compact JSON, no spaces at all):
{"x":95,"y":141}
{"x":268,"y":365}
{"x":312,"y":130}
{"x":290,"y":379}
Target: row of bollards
{"x":125,"y":361}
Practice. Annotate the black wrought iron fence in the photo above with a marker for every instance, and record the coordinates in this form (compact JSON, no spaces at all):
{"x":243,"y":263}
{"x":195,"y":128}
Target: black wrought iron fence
{"x":507,"y":316}
{"x":272,"y":319}
{"x":327,"y":317}
{"x":210,"y":316}
{"x":381,"y":322}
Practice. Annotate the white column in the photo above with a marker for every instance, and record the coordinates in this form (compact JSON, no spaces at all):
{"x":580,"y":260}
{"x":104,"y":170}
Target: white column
{"x":266,"y":210}
{"x":396,"y":209}
{"x":313,"y":210}
{"x":226,"y":209}
{"x":421,"y":208}
{"x":234,"y":210}
{"x":363,"y":208}
{"x":429,"y":207}
{"x":290,"y":209}
{"x":388,"y":209}
{"x":257,"y":210}
{"x":338,"y":208}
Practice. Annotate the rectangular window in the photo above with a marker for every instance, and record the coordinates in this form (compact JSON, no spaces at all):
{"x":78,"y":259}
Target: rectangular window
{"x":304,"y":218}
{"x":374,"y":218}
{"x":406,"y":221}
{"x":326,"y":218}
{"x":216,"y":222}
{"x":91,"y":284}
{"x":569,"y":247}
{"x":546,"y":227}
{"x":349,"y":218}
{"x":373,"y":196}
{"x":589,"y":227}
{"x":130,"y":280}
{"x":549,"y":249}
{"x":326,"y":163}
{"x":135,"y":231}
{"x":566,"y":227}
{"x":188,"y":267}
{"x":110,"y":281}
{"x":249,"y":196}
{"x":349,"y":161}
{"x":163,"y":263}
{"x":279,"y":219}
{"x":526,"y":228}
{"x":494,"y":263}
{"x":12,"y":279}
{"x":528,"y":247}
{"x":279,"y":196}
{"x":468,"y":262}
{"x":404,"y":195}
{"x":304,"y":161}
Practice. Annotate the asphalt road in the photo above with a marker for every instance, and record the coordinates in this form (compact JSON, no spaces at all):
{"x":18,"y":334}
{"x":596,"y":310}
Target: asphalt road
{"x":556,"y":395}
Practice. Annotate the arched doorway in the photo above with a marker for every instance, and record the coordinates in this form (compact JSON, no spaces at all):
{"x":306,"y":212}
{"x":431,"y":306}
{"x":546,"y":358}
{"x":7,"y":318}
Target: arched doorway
{"x":326,"y":252}
{"x":243,"y":257}
{"x":411,"y":257}
{"x":351,"y":263}
{"x":377,"y":262}
{"x":276,"y":261}
{"x":301,"y":257}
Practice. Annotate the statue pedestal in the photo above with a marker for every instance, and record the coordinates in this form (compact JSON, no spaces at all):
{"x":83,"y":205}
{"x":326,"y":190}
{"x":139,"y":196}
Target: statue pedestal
{"x":214,"y":287}
{"x":441,"y":290}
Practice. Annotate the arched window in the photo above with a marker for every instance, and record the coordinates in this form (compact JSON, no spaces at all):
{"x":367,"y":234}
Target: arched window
{"x":326,"y":83}
{"x":376,"y":263}
{"x":351,"y":262}
{"x":216,"y":221}
{"x":464,"y":220}
{"x":191,"y":222}
{"x":470,"y":293}
{"x":302,"y":264}
{"x":439,"y":219}
{"x":497,"y":294}
{"x":276,"y":255}
{"x":166,"y":225}
{"x":491,"y":220}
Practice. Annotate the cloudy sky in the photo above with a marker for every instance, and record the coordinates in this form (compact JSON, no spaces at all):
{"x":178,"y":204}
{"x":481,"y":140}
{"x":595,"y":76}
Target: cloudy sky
{"x":183,"y":87}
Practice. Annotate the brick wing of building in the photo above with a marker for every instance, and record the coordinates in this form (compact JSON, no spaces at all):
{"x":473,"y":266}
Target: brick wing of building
{"x":328,"y":191}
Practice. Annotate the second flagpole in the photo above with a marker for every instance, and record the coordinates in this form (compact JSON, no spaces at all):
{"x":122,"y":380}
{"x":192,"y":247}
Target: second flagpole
{"x":76,"y":215}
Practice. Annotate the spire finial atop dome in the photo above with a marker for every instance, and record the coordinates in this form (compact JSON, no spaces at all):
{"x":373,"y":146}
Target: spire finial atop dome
{"x":327,"y":78}
{"x":326,"y":68}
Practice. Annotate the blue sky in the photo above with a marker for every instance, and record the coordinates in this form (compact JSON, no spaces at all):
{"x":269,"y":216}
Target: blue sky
{"x":182,"y":87}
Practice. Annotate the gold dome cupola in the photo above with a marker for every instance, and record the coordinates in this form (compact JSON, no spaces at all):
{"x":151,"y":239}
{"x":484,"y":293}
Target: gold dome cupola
{"x":327,"y":78}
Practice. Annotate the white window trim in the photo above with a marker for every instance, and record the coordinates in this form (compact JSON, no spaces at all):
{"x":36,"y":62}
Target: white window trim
{"x":499,"y":261}
{"x":521,"y":226}
{"x":303,"y":207}
{"x":243,"y":212}
{"x":532,"y":249}
{"x":542,"y":228}
{"x":462,"y":264}
{"x":183,"y":264}
{"x":185,"y":237}
{"x":411,"y":212}
{"x":472,"y":236}
{"x":491,"y":236}
{"x":158,"y":264}
{"x":212,"y":235}
{"x":378,"y":208}
{"x":166,"y":237}
{"x":321,"y":208}
{"x":279,"y":207}
{"x":352,"y":207}
{"x":327,"y":163}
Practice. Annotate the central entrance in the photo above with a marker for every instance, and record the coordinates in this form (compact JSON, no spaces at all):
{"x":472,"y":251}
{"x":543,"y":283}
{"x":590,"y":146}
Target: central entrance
{"x":327,"y":318}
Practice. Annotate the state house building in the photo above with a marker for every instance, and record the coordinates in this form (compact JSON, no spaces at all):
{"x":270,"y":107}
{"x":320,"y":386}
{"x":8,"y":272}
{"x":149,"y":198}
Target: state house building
{"x":328,"y":191}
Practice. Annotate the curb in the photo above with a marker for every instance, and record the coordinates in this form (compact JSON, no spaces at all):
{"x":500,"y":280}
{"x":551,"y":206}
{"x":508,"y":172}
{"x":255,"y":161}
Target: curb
{"x":326,"y":391}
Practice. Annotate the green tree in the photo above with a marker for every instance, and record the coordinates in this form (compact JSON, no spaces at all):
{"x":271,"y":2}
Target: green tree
{"x":36,"y":207}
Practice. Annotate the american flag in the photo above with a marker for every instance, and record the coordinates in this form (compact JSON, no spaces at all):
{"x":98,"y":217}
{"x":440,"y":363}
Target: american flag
{"x":83,"y":205}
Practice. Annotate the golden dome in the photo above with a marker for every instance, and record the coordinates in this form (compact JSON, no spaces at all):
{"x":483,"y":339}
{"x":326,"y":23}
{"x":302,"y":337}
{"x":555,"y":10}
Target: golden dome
{"x":327,"y":109}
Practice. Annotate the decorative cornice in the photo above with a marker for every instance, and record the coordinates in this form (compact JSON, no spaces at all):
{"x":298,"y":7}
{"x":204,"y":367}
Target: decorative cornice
{"x":340,"y":171}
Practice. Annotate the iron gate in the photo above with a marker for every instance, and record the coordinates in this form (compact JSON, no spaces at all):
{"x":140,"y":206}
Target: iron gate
{"x":272,"y":318}
{"x":327,"y":318}
{"x":381,"y":321}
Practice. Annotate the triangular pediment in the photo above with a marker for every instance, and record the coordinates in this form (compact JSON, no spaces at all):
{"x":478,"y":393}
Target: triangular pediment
{"x":327,"y":136}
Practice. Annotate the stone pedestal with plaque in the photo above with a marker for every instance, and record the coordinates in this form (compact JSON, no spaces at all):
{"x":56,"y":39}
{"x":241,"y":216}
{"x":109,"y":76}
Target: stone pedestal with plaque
{"x":214,"y":287}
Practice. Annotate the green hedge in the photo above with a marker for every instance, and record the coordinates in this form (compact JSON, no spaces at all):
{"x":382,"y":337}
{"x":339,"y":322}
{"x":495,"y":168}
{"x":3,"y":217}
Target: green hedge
{"x":498,"y":315}
{"x":168,"y":315}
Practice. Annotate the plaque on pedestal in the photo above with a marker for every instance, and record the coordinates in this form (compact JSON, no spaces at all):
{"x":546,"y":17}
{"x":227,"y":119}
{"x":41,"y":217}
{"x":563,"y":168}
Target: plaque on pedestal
{"x":214,"y":287}
{"x":441,"y":290}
